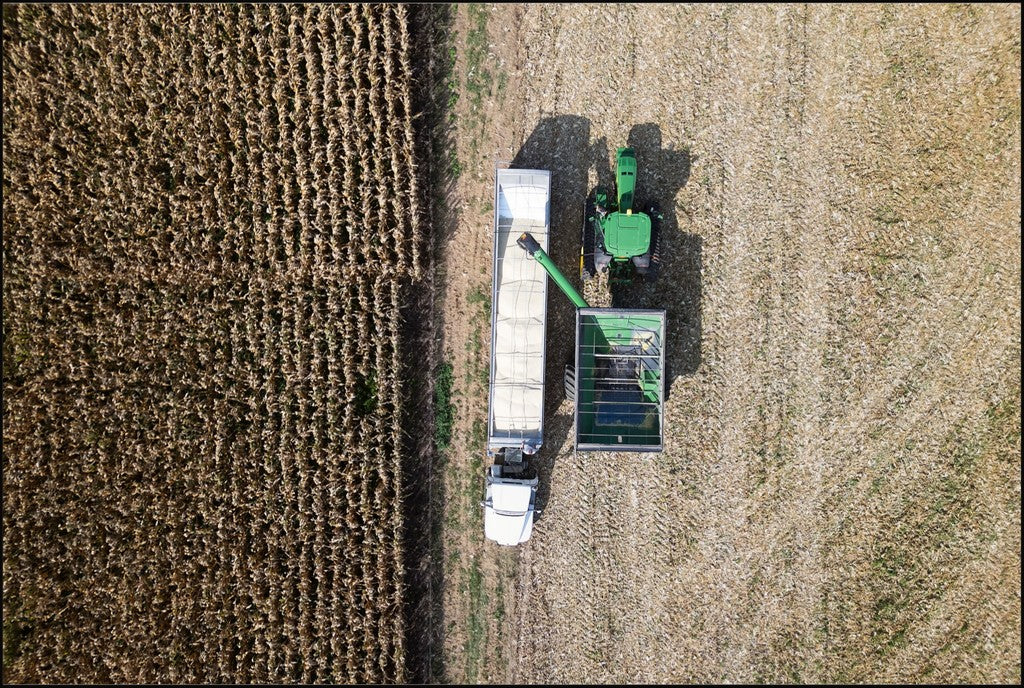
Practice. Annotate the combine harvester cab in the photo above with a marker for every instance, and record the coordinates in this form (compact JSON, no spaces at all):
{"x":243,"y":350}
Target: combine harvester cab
{"x":515,"y":418}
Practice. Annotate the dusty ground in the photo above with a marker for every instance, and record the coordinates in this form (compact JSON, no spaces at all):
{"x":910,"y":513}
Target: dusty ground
{"x":839,"y":498}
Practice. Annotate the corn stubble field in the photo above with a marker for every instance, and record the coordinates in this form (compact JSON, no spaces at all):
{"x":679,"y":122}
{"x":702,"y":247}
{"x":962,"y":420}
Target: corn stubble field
{"x":210,"y":216}
{"x":839,"y":495}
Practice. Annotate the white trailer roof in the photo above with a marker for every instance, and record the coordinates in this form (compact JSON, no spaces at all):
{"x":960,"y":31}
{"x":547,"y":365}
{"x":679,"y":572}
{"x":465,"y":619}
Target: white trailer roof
{"x":519,"y":303}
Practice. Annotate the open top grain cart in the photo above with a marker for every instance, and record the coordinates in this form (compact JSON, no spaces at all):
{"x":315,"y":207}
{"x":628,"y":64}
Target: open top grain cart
{"x":515,"y":415}
{"x":617,"y":380}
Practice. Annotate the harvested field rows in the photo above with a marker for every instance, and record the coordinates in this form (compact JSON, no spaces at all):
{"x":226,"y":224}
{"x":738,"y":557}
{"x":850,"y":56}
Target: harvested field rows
{"x":839,"y":495}
{"x":210,"y":220}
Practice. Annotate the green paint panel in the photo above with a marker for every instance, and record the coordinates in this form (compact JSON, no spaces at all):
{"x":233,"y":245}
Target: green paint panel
{"x":625,"y":177}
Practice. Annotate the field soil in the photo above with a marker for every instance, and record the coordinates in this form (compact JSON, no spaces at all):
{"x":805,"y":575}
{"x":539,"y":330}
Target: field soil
{"x":839,"y":495}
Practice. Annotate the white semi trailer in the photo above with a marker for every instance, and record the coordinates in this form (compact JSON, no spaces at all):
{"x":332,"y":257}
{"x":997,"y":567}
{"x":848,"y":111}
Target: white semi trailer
{"x":515,"y":416}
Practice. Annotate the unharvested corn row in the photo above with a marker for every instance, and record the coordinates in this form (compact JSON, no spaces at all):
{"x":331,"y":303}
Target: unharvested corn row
{"x":210,"y":215}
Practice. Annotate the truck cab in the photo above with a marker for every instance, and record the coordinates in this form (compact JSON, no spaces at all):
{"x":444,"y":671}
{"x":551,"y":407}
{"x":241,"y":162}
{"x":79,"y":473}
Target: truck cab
{"x":509,"y":501}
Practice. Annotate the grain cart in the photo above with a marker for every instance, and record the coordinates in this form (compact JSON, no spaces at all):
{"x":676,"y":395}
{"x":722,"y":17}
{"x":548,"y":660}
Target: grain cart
{"x":616,"y":381}
{"x":515,"y":415}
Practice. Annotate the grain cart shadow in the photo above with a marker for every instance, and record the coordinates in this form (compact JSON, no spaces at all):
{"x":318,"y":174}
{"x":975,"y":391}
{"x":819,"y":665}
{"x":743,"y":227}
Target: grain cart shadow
{"x":661,"y":174}
{"x":559,"y":144}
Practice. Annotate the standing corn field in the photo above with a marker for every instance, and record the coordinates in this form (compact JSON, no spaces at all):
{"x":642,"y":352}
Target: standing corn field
{"x":211,"y":215}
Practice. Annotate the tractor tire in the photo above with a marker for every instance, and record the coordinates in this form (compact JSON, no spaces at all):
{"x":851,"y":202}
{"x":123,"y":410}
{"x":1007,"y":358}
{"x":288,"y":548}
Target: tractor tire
{"x":569,"y":379}
{"x":587,"y":269}
{"x":654,"y":212}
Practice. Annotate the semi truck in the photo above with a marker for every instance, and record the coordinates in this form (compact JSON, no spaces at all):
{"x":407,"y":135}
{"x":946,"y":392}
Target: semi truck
{"x":515,"y":405}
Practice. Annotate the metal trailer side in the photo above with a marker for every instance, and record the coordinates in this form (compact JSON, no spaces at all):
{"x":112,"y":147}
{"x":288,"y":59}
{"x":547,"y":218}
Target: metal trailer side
{"x":515,"y":404}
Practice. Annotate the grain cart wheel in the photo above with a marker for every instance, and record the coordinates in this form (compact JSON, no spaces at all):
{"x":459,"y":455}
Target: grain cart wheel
{"x":570,"y":382}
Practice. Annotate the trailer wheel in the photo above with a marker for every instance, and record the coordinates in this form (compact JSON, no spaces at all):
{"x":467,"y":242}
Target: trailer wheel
{"x":570,"y":382}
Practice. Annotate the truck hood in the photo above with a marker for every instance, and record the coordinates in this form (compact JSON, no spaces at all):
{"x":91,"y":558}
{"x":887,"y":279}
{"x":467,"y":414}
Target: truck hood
{"x":510,"y":520}
{"x":511,"y":498}
{"x":507,"y":530}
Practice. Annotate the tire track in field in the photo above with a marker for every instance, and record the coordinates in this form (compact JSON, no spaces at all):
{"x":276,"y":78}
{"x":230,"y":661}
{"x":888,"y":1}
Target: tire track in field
{"x":939,"y":337}
{"x":771,"y":427}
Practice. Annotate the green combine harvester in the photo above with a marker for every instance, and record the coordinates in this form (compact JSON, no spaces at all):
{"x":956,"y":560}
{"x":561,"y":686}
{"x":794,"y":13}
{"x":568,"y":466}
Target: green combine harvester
{"x":616,"y":381}
{"x":617,"y":240}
